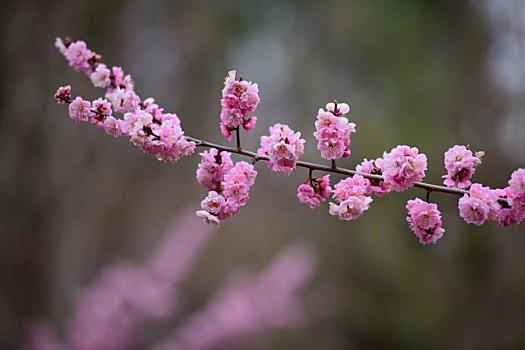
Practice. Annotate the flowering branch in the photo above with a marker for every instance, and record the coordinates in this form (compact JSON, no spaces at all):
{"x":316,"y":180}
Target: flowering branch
{"x":155,"y":132}
{"x":311,"y":166}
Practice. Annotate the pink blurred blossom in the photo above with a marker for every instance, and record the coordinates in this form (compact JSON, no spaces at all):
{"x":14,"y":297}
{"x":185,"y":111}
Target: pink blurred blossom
{"x":248,"y":304}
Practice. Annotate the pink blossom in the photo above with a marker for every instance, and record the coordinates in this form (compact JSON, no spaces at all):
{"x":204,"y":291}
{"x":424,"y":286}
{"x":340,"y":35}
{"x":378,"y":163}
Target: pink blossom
{"x":101,"y":76}
{"x":235,"y":193}
{"x":109,"y":313}
{"x":425,"y":220}
{"x":212,"y":167}
{"x":213,"y":203}
{"x":59,"y":44}
{"x":123,"y":101}
{"x":355,"y":185}
{"x":63,"y":94}
{"x":402,"y":167}
{"x":207,"y":217}
{"x":248,"y":304}
{"x":237,"y":183}
{"x":351,"y":208}
{"x":78,"y":55}
{"x":112,"y":127}
{"x":461,"y":164}
{"x":145,"y":123}
{"x":333,"y":131}
{"x":350,"y":199}
{"x":79,"y":109}
{"x":239,"y":99}
{"x":479,"y":205}
{"x":283,"y":148}
{"x":507,"y":211}
{"x":516,"y":189}
{"x":374,"y":187}
{"x":314,"y":191}
{"x":103,"y":108}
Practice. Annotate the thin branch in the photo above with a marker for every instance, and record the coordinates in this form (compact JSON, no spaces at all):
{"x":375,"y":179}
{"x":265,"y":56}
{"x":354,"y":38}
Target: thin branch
{"x":311,"y":166}
{"x":325,"y":168}
{"x":238,"y":134}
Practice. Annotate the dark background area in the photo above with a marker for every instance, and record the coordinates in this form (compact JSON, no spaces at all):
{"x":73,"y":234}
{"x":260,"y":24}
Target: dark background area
{"x":424,"y":73}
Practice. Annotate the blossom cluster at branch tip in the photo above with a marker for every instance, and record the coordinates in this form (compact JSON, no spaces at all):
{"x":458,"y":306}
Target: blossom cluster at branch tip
{"x":314,"y":191}
{"x":504,"y":206}
{"x":424,"y":220}
{"x":333,"y":131}
{"x":460,"y":163}
{"x":402,"y":167}
{"x":239,"y":100}
{"x":144,"y":123}
{"x":283,"y":147}
{"x":350,"y":199}
{"x":235,"y":187}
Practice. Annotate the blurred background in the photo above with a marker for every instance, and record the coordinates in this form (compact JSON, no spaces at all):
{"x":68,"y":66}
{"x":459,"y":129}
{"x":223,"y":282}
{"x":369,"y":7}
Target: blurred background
{"x":424,"y":73}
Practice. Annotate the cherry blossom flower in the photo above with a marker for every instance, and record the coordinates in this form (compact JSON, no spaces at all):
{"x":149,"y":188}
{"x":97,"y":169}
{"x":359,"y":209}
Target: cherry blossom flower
{"x":350,"y":199}
{"x":101,"y":76}
{"x":479,"y":205}
{"x":424,"y":220}
{"x":460,"y":164}
{"x":402,"y":166}
{"x":283,"y":147}
{"x":374,"y":187}
{"x":239,"y":100}
{"x":235,"y":193}
{"x":333,"y":131}
{"x":212,"y":167}
{"x":315,"y":191}
{"x":63,"y":94}
{"x":79,"y":110}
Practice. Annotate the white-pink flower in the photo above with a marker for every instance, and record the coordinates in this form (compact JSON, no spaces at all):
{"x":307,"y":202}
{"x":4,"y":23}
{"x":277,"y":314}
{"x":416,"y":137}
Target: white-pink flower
{"x":212,"y":167}
{"x":314,"y":191}
{"x":460,"y":164}
{"x":374,"y":187}
{"x":333,"y":131}
{"x":239,"y":100}
{"x":101,"y":76}
{"x":283,"y":147}
{"x":80,"y":109}
{"x":479,"y":205}
{"x":350,"y":199}
{"x":424,"y":220}
{"x":402,"y":166}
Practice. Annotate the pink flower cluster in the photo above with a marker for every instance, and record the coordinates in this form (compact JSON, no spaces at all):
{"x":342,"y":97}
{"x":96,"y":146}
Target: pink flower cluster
{"x":375,"y":187}
{"x":425,"y":220}
{"x":460,"y":164}
{"x":235,"y":193}
{"x":504,"y":206}
{"x":212,"y":167}
{"x":248,"y":304}
{"x":163,"y":138}
{"x":144,"y":123}
{"x":402,"y":166}
{"x":333,"y":131}
{"x":108,"y":313}
{"x":350,"y":199}
{"x":314,"y":191}
{"x":283,"y":148}
{"x":113,"y":311}
{"x":239,"y":100}
{"x":77,"y":54}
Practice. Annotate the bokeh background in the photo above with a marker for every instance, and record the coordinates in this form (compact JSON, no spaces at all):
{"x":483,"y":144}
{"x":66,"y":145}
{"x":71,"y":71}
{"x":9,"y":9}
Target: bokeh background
{"x":424,"y":73}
